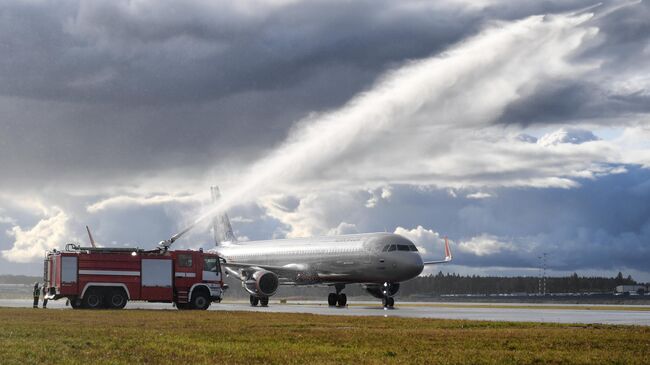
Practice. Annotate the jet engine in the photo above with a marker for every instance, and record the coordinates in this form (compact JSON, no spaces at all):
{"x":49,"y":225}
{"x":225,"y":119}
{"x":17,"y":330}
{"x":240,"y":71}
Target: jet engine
{"x":377,"y":291}
{"x":261,"y":283}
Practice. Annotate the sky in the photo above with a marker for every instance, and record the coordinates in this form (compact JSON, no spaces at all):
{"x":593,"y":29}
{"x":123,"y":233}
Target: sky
{"x":514,"y":128}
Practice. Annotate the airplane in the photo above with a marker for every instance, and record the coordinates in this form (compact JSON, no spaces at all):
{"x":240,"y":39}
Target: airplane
{"x":377,"y":261}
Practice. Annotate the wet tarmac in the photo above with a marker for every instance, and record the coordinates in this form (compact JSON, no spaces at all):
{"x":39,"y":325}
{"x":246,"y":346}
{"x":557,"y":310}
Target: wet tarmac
{"x":603,"y":314}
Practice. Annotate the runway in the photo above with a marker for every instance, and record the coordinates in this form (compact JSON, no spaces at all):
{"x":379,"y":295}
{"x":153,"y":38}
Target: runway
{"x":590,"y":314}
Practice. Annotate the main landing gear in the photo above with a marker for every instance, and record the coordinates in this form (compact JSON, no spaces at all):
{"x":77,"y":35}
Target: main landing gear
{"x":255,"y":300}
{"x":338,"y":298}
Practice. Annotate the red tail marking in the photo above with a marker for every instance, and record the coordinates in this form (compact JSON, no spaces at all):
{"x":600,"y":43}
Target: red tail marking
{"x":447,"y":251}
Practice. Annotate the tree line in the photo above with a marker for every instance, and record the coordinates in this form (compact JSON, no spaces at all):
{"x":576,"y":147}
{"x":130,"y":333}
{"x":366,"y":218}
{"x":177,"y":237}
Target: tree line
{"x":441,"y":284}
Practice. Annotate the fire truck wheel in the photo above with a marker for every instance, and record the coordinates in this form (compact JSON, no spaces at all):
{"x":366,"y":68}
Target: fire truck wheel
{"x":93,"y":299}
{"x":200,"y":301}
{"x":117,"y":299}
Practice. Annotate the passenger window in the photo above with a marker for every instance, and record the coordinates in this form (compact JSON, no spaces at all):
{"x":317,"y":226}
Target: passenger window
{"x":392,"y":248}
{"x":210,"y":264}
{"x":185,"y":260}
{"x":403,"y":247}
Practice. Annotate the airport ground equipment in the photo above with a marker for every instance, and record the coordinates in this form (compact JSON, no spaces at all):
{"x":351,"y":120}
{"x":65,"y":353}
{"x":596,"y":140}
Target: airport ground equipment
{"x":94,"y":277}
{"x":630,"y":290}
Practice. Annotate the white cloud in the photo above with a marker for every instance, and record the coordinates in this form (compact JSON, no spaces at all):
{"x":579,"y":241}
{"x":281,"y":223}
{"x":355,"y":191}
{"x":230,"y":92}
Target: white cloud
{"x":567,"y":135}
{"x":478,"y":195}
{"x":375,"y":196}
{"x":485,"y":244}
{"x":239,"y":219}
{"x":30,"y":245}
{"x":343,"y":228}
{"x":314,"y":214}
{"x":122,"y":201}
{"x":426,"y":240}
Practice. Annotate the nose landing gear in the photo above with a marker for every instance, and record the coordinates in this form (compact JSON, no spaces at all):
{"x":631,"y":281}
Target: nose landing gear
{"x":388,"y":301}
{"x":338,"y":298}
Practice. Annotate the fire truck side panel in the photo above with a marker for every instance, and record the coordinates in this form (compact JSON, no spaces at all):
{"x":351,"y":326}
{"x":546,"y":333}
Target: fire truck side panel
{"x":110,"y":268}
{"x":157,"y":280}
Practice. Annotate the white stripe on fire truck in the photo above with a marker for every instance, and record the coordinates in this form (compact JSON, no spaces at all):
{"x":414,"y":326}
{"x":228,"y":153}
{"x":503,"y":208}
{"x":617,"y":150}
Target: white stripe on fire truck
{"x":109,"y":272}
{"x":185,"y":275}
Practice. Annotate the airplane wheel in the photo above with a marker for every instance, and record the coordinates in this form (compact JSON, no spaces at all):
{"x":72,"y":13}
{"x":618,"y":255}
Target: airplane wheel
{"x":384,"y":302}
{"x":254,"y":300}
{"x":264,"y":301}
{"x":332,"y":299}
{"x":390,"y":301}
{"x":342,"y":300}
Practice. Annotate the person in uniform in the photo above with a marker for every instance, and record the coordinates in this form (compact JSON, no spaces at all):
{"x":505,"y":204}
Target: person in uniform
{"x":37,"y":292}
{"x":44,"y":296}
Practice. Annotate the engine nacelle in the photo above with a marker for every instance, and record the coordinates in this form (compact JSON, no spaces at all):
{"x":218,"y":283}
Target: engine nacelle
{"x":382,"y":290}
{"x":262,"y":283}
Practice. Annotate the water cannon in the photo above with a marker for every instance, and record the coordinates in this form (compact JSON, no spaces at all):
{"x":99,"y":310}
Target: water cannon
{"x":164,"y":245}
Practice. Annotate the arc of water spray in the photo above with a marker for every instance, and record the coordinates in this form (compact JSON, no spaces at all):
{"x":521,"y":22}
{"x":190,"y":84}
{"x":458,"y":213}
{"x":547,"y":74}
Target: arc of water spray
{"x":392,"y":101}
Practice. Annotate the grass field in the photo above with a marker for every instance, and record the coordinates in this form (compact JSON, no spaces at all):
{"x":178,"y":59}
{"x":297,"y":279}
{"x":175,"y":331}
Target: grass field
{"x":29,"y":336}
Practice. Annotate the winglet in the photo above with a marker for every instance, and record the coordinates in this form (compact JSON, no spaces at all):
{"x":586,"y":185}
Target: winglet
{"x":448,"y":256}
{"x":92,"y":241}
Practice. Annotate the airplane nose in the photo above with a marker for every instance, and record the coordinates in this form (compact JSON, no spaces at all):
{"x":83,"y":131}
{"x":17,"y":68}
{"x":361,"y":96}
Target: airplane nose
{"x":417,"y":264}
{"x":411,"y":266}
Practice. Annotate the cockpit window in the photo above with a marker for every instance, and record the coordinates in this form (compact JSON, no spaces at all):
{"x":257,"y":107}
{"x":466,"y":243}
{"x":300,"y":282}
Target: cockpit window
{"x":392,"y":248}
{"x":385,"y":248}
{"x":413,"y":248}
{"x":403,"y":247}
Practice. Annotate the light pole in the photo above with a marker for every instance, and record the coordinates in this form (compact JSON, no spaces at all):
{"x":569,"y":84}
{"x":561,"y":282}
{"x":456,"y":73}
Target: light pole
{"x":542,"y":280}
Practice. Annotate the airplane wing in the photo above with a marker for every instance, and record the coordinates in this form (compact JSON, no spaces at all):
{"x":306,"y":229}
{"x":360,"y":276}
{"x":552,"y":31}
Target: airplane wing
{"x":288,"y":272}
{"x":448,"y":256}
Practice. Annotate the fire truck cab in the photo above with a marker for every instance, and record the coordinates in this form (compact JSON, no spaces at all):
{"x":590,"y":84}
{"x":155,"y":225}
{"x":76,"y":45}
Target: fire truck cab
{"x":93,"y":278}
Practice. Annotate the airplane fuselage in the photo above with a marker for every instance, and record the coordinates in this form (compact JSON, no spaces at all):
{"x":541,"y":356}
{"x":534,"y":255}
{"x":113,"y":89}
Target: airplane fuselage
{"x":371,"y":258}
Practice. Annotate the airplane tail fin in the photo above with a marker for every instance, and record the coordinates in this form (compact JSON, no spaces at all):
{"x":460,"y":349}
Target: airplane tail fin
{"x":221,"y":223}
{"x":448,"y":256}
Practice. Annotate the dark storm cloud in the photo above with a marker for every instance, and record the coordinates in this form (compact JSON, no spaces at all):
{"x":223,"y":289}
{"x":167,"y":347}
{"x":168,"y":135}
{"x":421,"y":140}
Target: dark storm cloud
{"x":133,"y":87}
{"x":103,"y":90}
{"x":622,"y":49}
{"x":603,"y":224}
{"x":561,"y":100}
{"x":159,"y":53}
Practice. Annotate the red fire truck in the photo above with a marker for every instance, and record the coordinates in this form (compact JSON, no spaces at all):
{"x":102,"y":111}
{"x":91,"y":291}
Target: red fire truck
{"x":94,"y":277}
